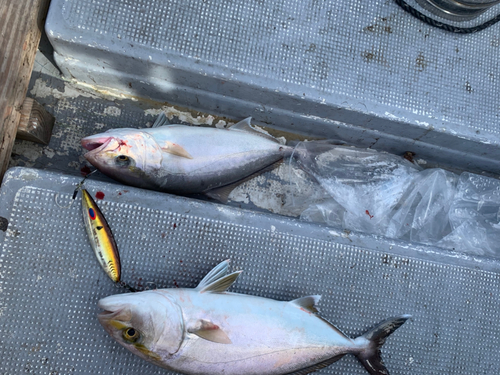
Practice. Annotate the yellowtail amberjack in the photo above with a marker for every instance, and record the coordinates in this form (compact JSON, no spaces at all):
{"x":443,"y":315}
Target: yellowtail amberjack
{"x":207,"y":331}
{"x":184,"y":159}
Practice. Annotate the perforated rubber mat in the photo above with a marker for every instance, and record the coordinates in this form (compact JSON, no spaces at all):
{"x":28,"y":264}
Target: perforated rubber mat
{"x":50,"y":281}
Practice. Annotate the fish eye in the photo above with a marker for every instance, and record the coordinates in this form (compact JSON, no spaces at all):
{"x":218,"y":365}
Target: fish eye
{"x":130,"y":334}
{"x":122,"y":160}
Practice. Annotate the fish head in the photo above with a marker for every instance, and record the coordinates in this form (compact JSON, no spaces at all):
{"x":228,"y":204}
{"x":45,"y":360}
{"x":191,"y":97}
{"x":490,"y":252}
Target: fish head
{"x":149,"y":323}
{"x":130,"y":156}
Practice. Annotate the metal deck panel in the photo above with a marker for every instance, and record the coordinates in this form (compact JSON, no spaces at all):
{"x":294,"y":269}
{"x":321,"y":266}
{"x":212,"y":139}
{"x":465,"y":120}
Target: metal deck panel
{"x":365,"y":72}
{"x":50,"y":281}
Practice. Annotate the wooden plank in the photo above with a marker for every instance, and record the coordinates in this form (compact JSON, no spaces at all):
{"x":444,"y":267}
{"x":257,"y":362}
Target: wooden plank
{"x":36,"y":123}
{"x":21,"y":24}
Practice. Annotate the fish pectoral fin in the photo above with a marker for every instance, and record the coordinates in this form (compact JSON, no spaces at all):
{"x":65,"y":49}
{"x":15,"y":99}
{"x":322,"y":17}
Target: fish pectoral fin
{"x":246,"y":126}
{"x":161,"y":120}
{"x":210,"y":331}
{"x":175,"y":149}
{"x":309,"y":303}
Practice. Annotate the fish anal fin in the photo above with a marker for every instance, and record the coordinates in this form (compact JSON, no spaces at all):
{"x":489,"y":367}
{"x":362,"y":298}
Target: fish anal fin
{"x":222,"y":284}
{"x":210,"y":331}
{"x":246,"y":126}
{"x":175,"y":149}
{"x":318,"y":366}
{"x":222,"y":193}
{"x":308,"y":303}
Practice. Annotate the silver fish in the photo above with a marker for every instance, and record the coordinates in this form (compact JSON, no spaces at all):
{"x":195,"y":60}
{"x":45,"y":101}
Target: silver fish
{"x":207,"y":330}
{"x":183,"y":159}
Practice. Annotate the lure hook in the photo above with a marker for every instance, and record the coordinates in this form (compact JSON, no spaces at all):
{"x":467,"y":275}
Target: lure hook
{"x":123,"y":284}
{"x":75,"y":192}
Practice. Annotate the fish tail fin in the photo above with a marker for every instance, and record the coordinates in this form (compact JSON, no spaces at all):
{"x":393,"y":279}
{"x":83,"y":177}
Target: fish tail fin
{"x":370,"y":355}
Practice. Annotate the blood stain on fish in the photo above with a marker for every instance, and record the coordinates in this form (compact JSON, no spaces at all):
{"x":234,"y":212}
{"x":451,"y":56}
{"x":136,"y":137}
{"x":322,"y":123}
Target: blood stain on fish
{"x":368,"y":213}
{"x":99,"y":195}
{"x":85,"y":171}
{"x":176,"y":285}
{"x":175,"y":225}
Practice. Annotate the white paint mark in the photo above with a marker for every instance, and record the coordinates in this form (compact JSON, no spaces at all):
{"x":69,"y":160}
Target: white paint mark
{"x":279,"y":196}
{"x":49,"y":152}
{"x":221,"y":124}
{"x":74,"y":164}
{"x":42,"y":90}
{"x":113,"y":111}
{"x":172,"y":112}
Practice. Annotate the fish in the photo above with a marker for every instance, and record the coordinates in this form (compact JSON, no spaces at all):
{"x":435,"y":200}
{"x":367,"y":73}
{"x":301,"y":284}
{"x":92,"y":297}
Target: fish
{"x":100,"y":237}
{"x":183,"y":159}
{"x":207,"y":330}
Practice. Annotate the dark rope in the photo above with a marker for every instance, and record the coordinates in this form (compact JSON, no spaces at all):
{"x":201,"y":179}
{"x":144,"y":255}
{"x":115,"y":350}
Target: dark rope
{"x":444,"y":26}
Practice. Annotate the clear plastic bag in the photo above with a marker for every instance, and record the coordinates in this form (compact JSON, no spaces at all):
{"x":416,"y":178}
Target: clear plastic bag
{"x":379,"y":193}
{"x":422,"y":212}
{"x":364,"y":183}
{"x":474,"y":216}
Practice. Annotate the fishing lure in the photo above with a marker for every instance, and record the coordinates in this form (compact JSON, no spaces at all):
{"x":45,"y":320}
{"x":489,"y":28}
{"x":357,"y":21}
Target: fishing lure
{"x":101,"y":238}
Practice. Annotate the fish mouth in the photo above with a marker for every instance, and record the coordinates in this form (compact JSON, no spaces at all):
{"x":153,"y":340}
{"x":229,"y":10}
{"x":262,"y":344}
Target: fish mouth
{"x":111,"y":320}
{"x":113,"y":309}
{"x":107,"y":315}
{"x":95,"y":144}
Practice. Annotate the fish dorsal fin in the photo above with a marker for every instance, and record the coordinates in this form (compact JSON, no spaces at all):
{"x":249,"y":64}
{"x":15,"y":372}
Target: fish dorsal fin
{"x":216,"y":273}
{"x":218,"y":280}
{"x":161,"y":120}
{"x":175,"y":149}
{"x":222,"y":284}
{"x":209,"y":331}
{"x":246,"y":126}
{"x":309,"y":303}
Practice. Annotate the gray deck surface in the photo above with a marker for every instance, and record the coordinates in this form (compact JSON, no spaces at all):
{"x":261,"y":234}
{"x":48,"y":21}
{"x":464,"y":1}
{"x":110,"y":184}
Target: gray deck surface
{"x":50,"y":281}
